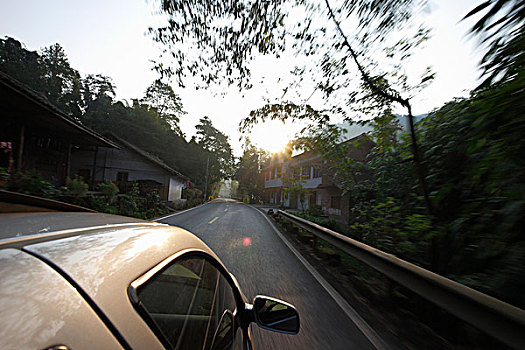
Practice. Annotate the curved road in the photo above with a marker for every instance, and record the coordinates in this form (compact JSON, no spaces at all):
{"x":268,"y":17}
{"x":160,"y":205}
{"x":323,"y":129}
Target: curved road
{"x":247,"y":244}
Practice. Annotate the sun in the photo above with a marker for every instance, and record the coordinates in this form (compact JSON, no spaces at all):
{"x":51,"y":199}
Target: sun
{"x":275,"y":146}
{"x":273,"y":135}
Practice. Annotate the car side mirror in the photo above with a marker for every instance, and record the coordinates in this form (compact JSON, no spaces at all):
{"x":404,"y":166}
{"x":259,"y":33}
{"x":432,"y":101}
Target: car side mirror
{"x":275,"y":315}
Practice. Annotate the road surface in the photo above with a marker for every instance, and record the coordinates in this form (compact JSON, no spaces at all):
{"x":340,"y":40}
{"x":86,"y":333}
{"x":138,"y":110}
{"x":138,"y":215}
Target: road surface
{"x":249,"y":247}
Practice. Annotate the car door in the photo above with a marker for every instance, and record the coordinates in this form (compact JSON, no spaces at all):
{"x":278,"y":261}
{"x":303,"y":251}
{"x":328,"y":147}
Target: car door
{"x":191,"y":303}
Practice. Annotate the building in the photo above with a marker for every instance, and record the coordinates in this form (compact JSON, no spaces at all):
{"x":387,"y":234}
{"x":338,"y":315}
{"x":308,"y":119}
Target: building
{"x":312,"y":173}
{"x":36,"y":136}
{"x":126,"y":165}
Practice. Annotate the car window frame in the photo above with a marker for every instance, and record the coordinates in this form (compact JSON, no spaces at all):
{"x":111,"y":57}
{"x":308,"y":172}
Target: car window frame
{"x":161,"y":267}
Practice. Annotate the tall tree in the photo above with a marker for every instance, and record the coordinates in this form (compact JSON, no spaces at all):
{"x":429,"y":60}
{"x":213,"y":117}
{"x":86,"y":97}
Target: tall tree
{"x":248,"y":172}
{"x":63,"y":83}
{"x":20,"y":63}
{"x":166,"y":102}
{"x":95,"y":86}
{"x":218,"y":154}
{"x":48,"y":72}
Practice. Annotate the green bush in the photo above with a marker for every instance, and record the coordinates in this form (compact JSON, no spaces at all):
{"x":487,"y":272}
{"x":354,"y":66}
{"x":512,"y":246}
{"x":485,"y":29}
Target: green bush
{"x":322,"y":221}
{"x":4,"y":177}
{"x":153,"y":206}
{"x":101,"y":204}
{"x":127,"y":206}
{"x":108,"y":189}
{"x":385,"y":225}
{"x":314,"y":210}
{"x":76,"y":188}
{"x":31,"y":183}
{"x":193,"y":196}
{"x":143,"y":207}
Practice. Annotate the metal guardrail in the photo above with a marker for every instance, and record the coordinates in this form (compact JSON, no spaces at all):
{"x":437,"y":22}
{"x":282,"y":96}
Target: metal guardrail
{"x":495,"y":317}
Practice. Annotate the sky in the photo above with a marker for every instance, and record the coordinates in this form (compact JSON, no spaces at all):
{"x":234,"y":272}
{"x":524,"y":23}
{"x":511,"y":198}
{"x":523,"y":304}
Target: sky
{"x":109,"y":38}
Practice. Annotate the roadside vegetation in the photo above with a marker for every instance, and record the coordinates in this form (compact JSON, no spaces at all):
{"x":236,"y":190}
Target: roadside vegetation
{"x":476,"y":180}
{"x":315,"y":214}
{"x":105,"y":199}
{"x":249,"y":184}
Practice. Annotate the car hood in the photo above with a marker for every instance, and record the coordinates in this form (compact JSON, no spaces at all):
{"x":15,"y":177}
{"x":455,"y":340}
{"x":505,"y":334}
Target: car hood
{"x":104,"y":262}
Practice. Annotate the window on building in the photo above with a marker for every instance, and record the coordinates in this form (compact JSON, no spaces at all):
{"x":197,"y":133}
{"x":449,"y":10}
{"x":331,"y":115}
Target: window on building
{"x":317,"y":173}
{"x":335,"y":202}
{"x":313,"y":198}
{"x":305,"y":172}
{"x":272,"y":174}
{"x":279,"y":171}
{"x":122,"y":176}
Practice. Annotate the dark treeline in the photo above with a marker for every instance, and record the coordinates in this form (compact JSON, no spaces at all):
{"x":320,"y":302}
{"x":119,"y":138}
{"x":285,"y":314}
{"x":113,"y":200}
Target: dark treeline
{"x":151,"y":122}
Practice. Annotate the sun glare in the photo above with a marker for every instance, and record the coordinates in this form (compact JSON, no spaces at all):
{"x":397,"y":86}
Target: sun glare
{"x":273,"y":135}
{"x":275,"y":146}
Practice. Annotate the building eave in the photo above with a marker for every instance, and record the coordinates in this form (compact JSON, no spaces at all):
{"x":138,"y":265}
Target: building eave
{"x":51,"y":113}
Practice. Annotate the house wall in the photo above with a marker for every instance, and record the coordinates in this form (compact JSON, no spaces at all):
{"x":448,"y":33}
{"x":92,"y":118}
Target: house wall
{"x":175,"y":188}
{"x":303,"y":204}
{"x":110,"y":162}
{"x":274,"y":196}
{"x":315,"y":171}
{"x":326,"y":200}
{"x":345,"y":207}
{"x":285,"y":199}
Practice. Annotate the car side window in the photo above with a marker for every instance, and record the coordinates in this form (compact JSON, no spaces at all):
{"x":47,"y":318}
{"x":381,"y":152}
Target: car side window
{"x":192,"y":304}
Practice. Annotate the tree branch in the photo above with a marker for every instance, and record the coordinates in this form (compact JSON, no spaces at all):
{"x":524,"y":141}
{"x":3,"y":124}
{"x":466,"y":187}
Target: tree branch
{"x":421,"y":171}
{"x":364,"y":74}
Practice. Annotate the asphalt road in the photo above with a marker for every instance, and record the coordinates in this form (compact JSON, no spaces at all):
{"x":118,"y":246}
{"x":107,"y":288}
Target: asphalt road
{"x":263,"y":264}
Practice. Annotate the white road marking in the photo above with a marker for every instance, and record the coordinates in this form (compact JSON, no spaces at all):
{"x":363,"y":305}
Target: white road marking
{"x":226,"y":209}
{"x":180,"y":212}
{"x":363,"y":326}
{"x":213,"y":220}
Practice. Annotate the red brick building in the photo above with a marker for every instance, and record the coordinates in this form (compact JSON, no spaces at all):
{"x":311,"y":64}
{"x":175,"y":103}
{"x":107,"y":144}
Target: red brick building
{"x":313,"y":173}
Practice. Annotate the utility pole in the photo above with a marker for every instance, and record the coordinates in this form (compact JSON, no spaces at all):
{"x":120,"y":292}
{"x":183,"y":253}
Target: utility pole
{"x":206,"y":179}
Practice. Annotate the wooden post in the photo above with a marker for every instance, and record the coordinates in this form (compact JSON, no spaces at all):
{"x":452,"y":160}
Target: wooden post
{"x":105,"y":164}
{"x":68,"y":162}
{"x":94,"y":169}
{"x":21,"y":148}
